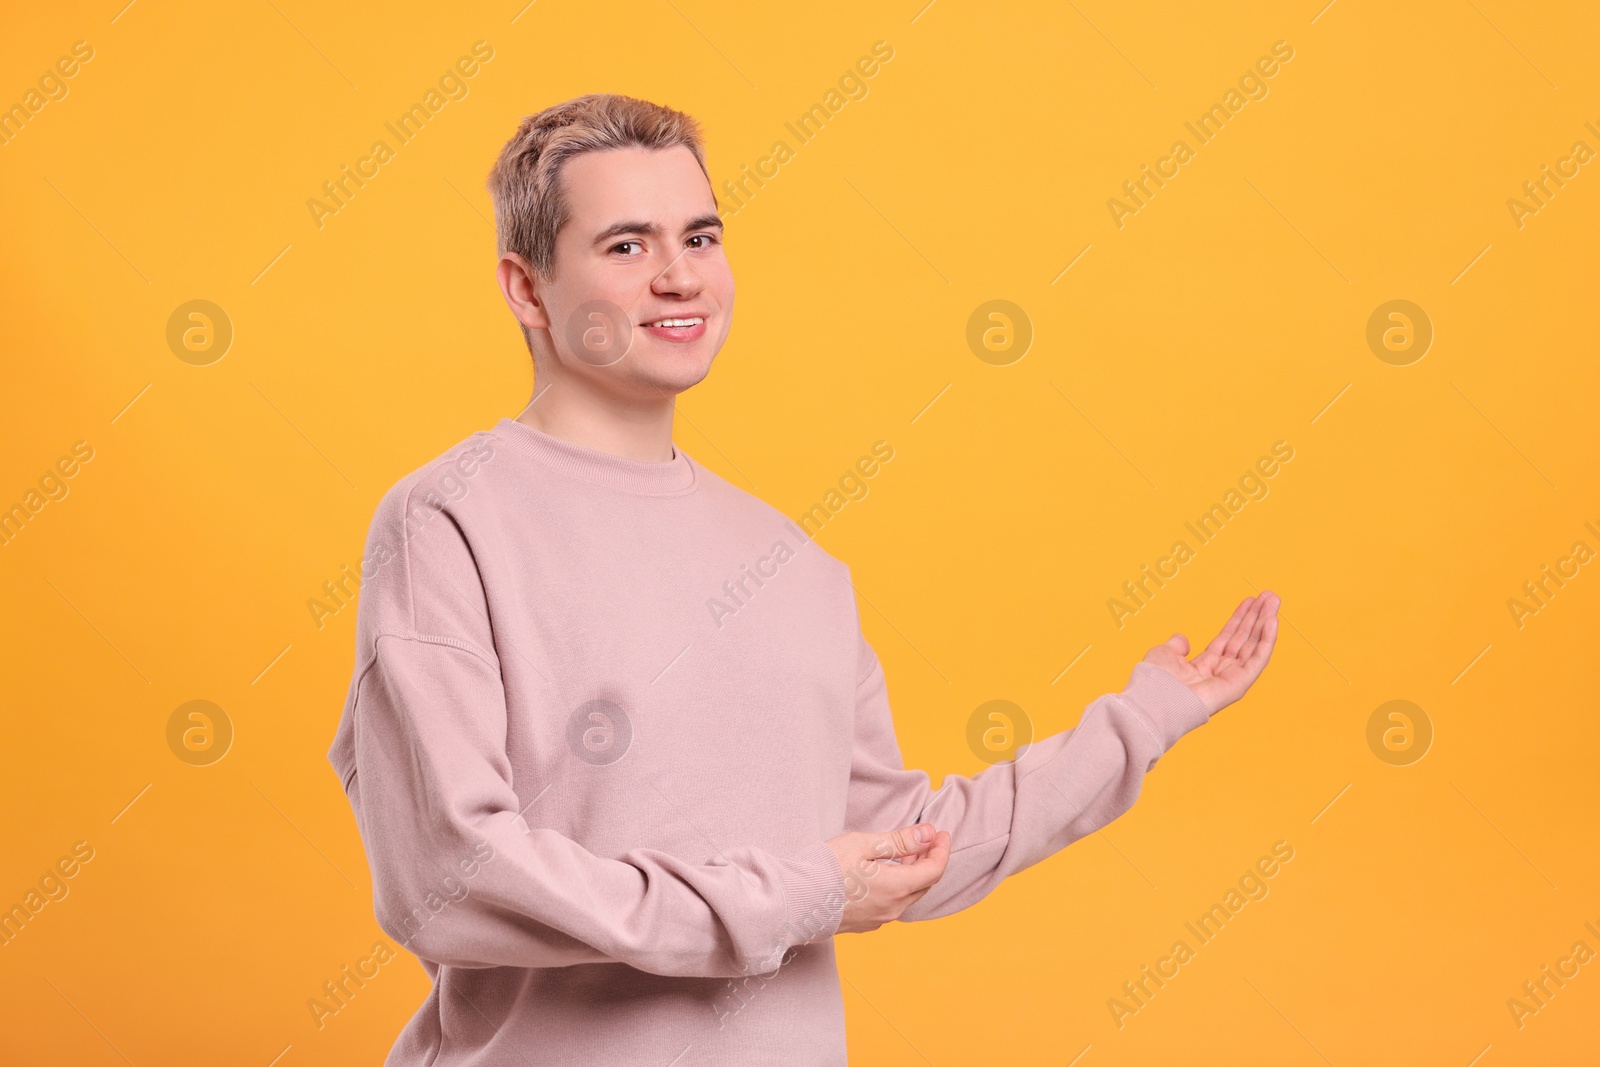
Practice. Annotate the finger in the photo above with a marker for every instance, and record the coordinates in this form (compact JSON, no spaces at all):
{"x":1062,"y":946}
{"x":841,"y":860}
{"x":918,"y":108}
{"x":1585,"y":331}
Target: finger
{"x":1171,"y":653}
{"x":902,"y":878}
{"x":938,"y":857}
{"x":1268,"y":609}
{"x":1247,"y":641}
{"x":1220,"y":642}
{"x":1247,"y":629}
{"x":1263,"y":650}
{"x":1249,"y":667}
{"x":1242,"y":631}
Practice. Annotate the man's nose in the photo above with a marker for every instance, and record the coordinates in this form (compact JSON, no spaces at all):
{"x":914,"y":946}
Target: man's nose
{"x":678,"y":276}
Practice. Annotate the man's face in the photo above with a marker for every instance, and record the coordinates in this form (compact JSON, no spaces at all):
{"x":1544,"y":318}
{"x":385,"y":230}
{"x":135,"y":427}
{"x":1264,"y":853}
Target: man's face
{"x":642,"y":244}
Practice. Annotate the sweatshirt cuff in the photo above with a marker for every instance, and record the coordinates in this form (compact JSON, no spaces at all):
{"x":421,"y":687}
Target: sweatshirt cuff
{"x":1168,"y":706}
{"x":813,"y":886}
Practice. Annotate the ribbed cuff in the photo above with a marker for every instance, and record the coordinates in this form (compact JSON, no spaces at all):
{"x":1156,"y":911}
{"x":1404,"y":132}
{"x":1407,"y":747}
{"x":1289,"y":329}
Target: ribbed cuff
{"x":1170,"y":708}
{"x":813,"y":885}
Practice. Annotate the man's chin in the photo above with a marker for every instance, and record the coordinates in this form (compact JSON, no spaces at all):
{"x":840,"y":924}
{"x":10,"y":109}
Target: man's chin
{"x":670,"y":379}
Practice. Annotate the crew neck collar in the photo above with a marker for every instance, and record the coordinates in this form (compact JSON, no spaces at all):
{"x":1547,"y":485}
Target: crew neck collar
{"x":646,"y":477}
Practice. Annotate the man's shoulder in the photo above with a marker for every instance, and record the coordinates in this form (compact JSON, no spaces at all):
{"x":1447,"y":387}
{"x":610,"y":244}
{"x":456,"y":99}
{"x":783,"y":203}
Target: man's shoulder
{"x":447,"y":478}
{"x":763,"y":523}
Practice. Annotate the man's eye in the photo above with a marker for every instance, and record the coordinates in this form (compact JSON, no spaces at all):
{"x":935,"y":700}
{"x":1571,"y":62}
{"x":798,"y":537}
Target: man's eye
{"x":623,"y":244}
{"x":710,"y":239}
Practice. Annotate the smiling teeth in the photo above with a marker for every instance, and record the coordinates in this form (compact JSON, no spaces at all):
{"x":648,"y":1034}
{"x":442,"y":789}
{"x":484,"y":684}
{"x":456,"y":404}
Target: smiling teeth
{"x":676,"y":322}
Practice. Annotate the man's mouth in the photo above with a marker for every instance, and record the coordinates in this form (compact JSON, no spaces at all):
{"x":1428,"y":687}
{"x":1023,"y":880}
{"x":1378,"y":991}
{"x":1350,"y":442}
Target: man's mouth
{"x":680,"y":328}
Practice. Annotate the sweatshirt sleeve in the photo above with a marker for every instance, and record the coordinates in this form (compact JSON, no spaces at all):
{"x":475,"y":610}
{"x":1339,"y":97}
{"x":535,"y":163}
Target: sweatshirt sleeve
{"x":1013,"y":814}
{"x":459,"y":876}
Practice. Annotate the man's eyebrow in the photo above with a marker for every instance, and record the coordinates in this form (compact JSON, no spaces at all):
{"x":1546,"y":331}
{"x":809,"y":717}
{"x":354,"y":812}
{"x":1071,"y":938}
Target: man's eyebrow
{"x":650,"y":229}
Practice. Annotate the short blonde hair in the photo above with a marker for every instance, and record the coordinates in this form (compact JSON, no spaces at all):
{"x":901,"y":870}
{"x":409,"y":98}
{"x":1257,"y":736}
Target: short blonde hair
{"x":530,"y":205}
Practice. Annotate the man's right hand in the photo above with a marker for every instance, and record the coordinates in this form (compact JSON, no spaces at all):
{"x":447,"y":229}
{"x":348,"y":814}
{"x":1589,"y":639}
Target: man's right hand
{"x":886,"y":873}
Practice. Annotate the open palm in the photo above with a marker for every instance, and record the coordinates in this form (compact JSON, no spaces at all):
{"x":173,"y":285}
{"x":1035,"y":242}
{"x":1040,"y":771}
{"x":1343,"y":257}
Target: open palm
{"x":1232,"y":661}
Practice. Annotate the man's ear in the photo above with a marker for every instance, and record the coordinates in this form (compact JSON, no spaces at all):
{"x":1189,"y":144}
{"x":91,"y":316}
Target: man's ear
{"x":519,"y":284}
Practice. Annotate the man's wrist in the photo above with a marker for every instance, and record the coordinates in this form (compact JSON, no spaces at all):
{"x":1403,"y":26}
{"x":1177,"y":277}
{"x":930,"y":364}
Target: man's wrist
{"x":813,"y":885}
{"x":1168,"y":706}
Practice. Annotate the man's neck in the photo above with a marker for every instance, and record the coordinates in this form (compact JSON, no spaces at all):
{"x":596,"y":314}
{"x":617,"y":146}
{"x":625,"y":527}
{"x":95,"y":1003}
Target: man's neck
{"x":575,"y":415}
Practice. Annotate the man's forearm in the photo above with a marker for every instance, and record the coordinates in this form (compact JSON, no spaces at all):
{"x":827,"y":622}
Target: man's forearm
{"x":1014,"y":814}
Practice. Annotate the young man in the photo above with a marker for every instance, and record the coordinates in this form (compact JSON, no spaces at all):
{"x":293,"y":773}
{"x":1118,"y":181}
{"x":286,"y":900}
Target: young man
{"x":620,"y":755}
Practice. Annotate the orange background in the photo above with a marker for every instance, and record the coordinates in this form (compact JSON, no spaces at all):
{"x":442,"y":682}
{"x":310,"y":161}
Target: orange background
{"x":1230,"y":312}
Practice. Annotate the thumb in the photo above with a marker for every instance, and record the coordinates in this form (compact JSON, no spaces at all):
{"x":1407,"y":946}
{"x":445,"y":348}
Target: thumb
{"x":1178,"y":643}
{"x":916,"y":878}
{"x":930,"y":868}
{"x":906,"y":841}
